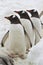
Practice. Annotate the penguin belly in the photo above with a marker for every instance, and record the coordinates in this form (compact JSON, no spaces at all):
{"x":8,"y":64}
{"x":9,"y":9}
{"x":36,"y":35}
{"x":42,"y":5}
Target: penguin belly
{"x":38,"y":29}
{"x":17,"y":39}
{"x":29,"y":30}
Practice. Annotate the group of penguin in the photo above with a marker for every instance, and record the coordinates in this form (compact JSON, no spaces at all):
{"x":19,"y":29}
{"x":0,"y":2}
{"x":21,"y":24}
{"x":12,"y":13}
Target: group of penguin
{"x":25,"y":31}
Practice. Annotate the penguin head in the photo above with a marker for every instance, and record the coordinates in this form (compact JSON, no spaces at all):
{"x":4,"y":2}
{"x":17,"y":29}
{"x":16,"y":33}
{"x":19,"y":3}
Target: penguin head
{"x":9,"y":17}
{"x":34,"y":13}
{"x":23,"y":14}
{"x":31,"y":11}
{"x":13,"y":19}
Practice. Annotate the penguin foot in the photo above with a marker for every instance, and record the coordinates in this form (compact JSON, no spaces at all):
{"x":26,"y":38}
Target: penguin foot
{"x":22,"y":56}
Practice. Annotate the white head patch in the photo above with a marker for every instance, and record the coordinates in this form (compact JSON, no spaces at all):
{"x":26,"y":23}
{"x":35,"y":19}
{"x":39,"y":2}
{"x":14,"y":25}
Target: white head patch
{"x":29,"y":13}
{"x":17,"y":15}
{"x":34,"y":10}
{"x":23,"y":11}
{"x":14,"y":16}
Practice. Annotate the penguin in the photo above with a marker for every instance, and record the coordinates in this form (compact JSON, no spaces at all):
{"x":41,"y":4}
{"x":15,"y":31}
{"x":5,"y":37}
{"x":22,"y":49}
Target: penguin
{"x":17,"y":42}
{"x":7,"y":33}
{"x":27,"y":23}
{"x":37,"y":23}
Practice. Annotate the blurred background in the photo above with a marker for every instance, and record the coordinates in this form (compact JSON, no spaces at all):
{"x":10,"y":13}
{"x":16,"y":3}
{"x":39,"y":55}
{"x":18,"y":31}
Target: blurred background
{"x":20,"y":4}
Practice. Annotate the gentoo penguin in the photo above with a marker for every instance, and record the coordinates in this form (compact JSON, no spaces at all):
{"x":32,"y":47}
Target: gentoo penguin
{"x":27,"y":24}
{"x":5,"y":36}
{"x":37,"y":23}
{"x":16,"y":37}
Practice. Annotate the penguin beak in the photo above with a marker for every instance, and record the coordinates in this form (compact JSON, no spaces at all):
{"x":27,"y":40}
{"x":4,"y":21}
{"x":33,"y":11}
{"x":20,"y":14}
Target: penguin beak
{"x":29,"y":10}
{"x":7,"y":18}
{"x":16,"y":11}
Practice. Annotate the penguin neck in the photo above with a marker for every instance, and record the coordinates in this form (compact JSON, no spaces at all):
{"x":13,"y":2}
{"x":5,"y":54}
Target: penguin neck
{"x":35,"y":15}
{"x":16,"y":21}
